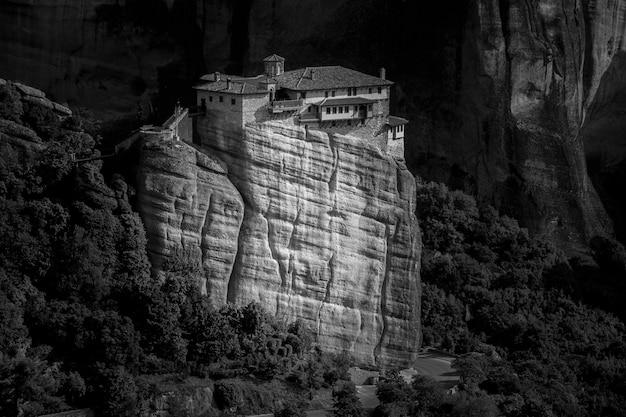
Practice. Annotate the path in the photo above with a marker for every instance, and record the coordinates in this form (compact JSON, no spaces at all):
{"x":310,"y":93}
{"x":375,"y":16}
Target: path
{"x":437,"y":365}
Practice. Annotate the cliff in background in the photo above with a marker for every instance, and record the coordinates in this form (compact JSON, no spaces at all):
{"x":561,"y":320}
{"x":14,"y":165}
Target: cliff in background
{"x":497,"y":92}
{"x":109,"y":56}
{"x":318,"y":227}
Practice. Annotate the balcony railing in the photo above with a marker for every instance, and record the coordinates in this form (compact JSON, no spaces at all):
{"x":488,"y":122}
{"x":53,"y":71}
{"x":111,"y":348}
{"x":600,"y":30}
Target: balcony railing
{"x":279,"y":106}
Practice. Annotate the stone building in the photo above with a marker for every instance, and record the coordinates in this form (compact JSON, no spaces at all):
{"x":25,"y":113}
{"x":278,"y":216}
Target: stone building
{"x":328,"y":98}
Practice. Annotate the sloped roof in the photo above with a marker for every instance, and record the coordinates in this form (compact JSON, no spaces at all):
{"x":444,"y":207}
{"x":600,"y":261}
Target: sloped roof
{"x":274,"y":58}
{"x":345,"y":100}
{"x":396,"y":121}
{"x":326,"y":78}
{"x":236,"y":87}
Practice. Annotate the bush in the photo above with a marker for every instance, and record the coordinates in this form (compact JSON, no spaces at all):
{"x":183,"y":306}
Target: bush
{"x":10,"y":103}
{"x":227,"y":394}
{"x":291,"y":409}
{"x":345,"y":401}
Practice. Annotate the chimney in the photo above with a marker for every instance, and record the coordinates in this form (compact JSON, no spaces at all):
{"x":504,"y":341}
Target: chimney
{"x":383,"y":73}
{"x":312,"y":74}
{"x":228,"y":83}
{"x":216,"y":76}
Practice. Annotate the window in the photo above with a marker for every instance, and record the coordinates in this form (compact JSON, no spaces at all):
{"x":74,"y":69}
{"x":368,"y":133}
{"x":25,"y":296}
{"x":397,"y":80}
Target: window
{"x":211,"y":98}
{"x":369,"y":107}
{"x":203,"y":103}
{"x":334,"y":110}
{"x":232,"y":101}
{"x":333,"y":93}
{"x":369,"y":90}
{"x":347,"y":109}
{"x":221,"y":99}
{"x":327,"y":110}
{"x":340,"y":109}
{"x":349,"y":91}
{"x":309,"y":109}
{"x":326,"y":94}
{"x":356,"y":109}
{"x":380,"y":90}
{"x":303,"y":95}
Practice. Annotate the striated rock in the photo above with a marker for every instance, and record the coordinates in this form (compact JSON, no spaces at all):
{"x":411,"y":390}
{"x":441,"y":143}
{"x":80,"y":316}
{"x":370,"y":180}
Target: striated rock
{"x":528,"y":153}
{"x":605,"y":104}
{"x":329,"y":235}
{"x":190,"y":209}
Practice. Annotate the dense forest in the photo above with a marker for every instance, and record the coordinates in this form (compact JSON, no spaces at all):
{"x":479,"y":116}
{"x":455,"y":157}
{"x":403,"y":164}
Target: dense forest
{"x":538,"y":334}
{"x":84,"y":324}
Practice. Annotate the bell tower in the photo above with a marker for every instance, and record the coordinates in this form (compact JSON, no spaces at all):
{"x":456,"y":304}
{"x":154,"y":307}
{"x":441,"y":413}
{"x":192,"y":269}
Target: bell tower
{"x":274,"y":65}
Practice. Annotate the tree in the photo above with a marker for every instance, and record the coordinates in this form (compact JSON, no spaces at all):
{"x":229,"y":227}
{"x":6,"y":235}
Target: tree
{"x":10,"y":103}
{"x":392,"y":388}
{"x":291,"y":409}
{"x":28,"y":383}
{"x":311,"y":376}
{"x":118,"y":393}
{"x":345,"y":401}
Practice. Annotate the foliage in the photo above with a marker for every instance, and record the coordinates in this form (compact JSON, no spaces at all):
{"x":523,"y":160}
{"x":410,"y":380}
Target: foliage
{"x":489,"y":286}
{"x":345,"y":401}
{"x":291,"y":409}
{"x":10,"y":104}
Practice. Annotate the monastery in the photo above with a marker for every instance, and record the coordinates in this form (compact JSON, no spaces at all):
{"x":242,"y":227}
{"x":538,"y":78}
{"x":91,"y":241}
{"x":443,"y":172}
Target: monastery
{"x":328,"y":98}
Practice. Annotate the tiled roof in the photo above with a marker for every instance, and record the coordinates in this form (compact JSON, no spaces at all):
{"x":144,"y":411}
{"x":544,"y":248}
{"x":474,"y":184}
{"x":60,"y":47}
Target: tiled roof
{"x":396,"y":121}
{"x":326,"y":78}
{"x":274,"y":58}
{"x":236,"y":87}
{"x":345,"y":100}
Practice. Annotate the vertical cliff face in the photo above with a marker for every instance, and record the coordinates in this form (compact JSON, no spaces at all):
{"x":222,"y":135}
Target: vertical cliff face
{"x":191,"y":211}
{"x":328,"y":235}
{"x":604,"y":126}
{"x":522,"y":86}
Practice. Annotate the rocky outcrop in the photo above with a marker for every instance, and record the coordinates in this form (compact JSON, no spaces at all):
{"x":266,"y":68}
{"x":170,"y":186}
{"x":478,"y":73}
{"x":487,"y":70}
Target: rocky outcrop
{"x":329,"y":235}
{"x":191,"y":211}
{"x":318,"y":227}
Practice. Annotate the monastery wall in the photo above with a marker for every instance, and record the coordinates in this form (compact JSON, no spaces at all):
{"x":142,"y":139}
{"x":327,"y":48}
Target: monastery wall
{"x":395,"y":148}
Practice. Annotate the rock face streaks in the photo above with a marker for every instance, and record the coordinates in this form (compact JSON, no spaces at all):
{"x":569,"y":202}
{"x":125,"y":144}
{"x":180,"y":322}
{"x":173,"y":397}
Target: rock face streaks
{"x":525,"y":63}
{"x":191,"y":211}
{"x":329,"y":235}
